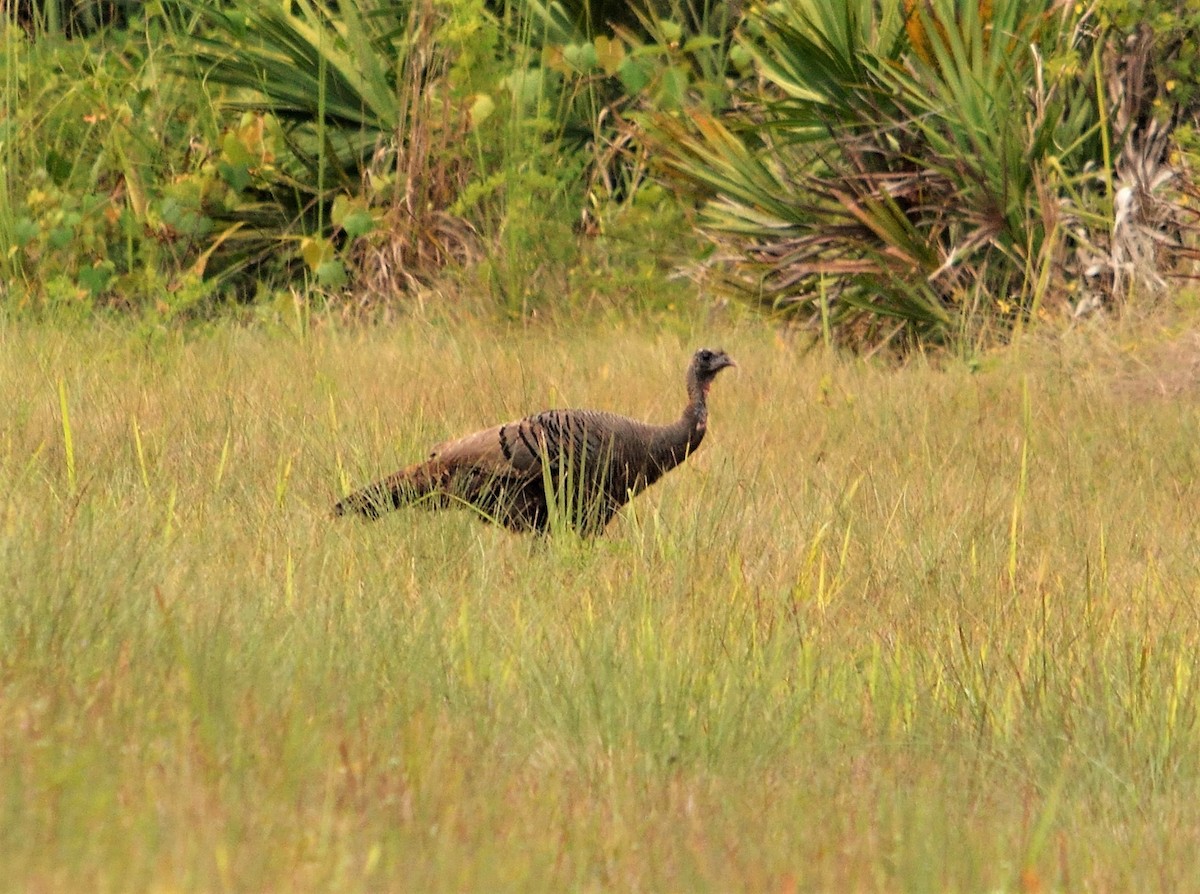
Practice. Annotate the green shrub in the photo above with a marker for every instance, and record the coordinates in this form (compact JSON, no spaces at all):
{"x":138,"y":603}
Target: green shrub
{"x":405,"y":137}
{"x":95,"y":211}
{"x":931,"y":176}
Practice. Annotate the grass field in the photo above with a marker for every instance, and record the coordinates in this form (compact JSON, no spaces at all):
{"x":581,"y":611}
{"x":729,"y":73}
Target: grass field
{"x":917,"y":629}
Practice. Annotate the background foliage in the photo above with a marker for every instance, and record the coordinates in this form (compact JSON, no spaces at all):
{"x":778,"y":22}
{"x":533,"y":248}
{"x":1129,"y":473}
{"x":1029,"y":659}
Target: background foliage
{"x":931,"y":171}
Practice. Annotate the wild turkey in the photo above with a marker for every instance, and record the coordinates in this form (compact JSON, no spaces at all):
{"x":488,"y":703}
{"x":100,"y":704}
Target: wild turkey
{"x":582,"y":464}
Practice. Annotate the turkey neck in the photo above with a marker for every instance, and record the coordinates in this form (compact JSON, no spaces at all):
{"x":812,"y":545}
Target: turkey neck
{"x":672,"y":443}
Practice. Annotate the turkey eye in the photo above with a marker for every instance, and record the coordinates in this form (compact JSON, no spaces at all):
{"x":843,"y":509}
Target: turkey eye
{"x":706,"y":355}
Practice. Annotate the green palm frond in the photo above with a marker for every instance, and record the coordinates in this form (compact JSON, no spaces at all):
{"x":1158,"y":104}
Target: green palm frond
{"x":355,"y":94}
{"x":896,"y":160}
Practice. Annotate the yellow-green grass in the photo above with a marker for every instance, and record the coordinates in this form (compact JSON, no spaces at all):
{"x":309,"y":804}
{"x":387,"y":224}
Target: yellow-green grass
{"x":927,"y":628}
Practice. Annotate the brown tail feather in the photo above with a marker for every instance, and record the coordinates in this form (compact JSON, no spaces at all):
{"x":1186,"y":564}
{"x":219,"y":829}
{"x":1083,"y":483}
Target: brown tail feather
{"x":404,"y":487}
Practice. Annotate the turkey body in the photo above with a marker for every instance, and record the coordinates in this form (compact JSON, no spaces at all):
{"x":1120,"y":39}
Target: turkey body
{"x":579,"y":465}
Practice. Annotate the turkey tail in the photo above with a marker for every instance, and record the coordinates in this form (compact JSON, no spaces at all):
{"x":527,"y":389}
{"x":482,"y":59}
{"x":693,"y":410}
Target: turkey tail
{"x":401,"y":489}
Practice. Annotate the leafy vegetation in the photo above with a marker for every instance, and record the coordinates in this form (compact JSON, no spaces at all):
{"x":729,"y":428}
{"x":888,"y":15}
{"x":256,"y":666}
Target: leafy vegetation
{"x":923,"y":172}
{"x":349,"y":123}
{"x":373,"y":101}
{"x":99,"y":206}
{"x":324,"y":146}
{"x":931,"y":171}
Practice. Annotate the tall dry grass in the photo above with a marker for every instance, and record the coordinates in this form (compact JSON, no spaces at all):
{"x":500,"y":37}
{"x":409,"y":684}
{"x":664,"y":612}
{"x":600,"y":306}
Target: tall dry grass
{"x":921,"y":629}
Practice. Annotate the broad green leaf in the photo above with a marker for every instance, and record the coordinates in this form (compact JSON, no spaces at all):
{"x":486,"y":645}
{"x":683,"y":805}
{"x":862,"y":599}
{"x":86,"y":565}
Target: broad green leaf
{"x":331,"y":274}
{"x":97,"y":277}
{"x":236,"y":175}
{"x":741,"y":57}
{"x":25,"y":230}
{"x":358,"y":223}
{"x":670,"y":31}
{"x":316,"y":251}
{"x":610,"y":53}
{"x":634,"y":74}
{"x":61,"y":237}
{"x":672,"y":87}
{"x":581,"y":57}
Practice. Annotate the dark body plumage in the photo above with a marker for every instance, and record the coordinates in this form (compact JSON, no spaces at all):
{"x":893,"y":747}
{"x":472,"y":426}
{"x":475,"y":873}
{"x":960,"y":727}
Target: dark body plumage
{"x":585,"y":464}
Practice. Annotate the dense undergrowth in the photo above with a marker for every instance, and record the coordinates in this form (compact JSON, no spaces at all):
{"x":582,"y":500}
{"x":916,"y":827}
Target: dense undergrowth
{"x":936,"y":172}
